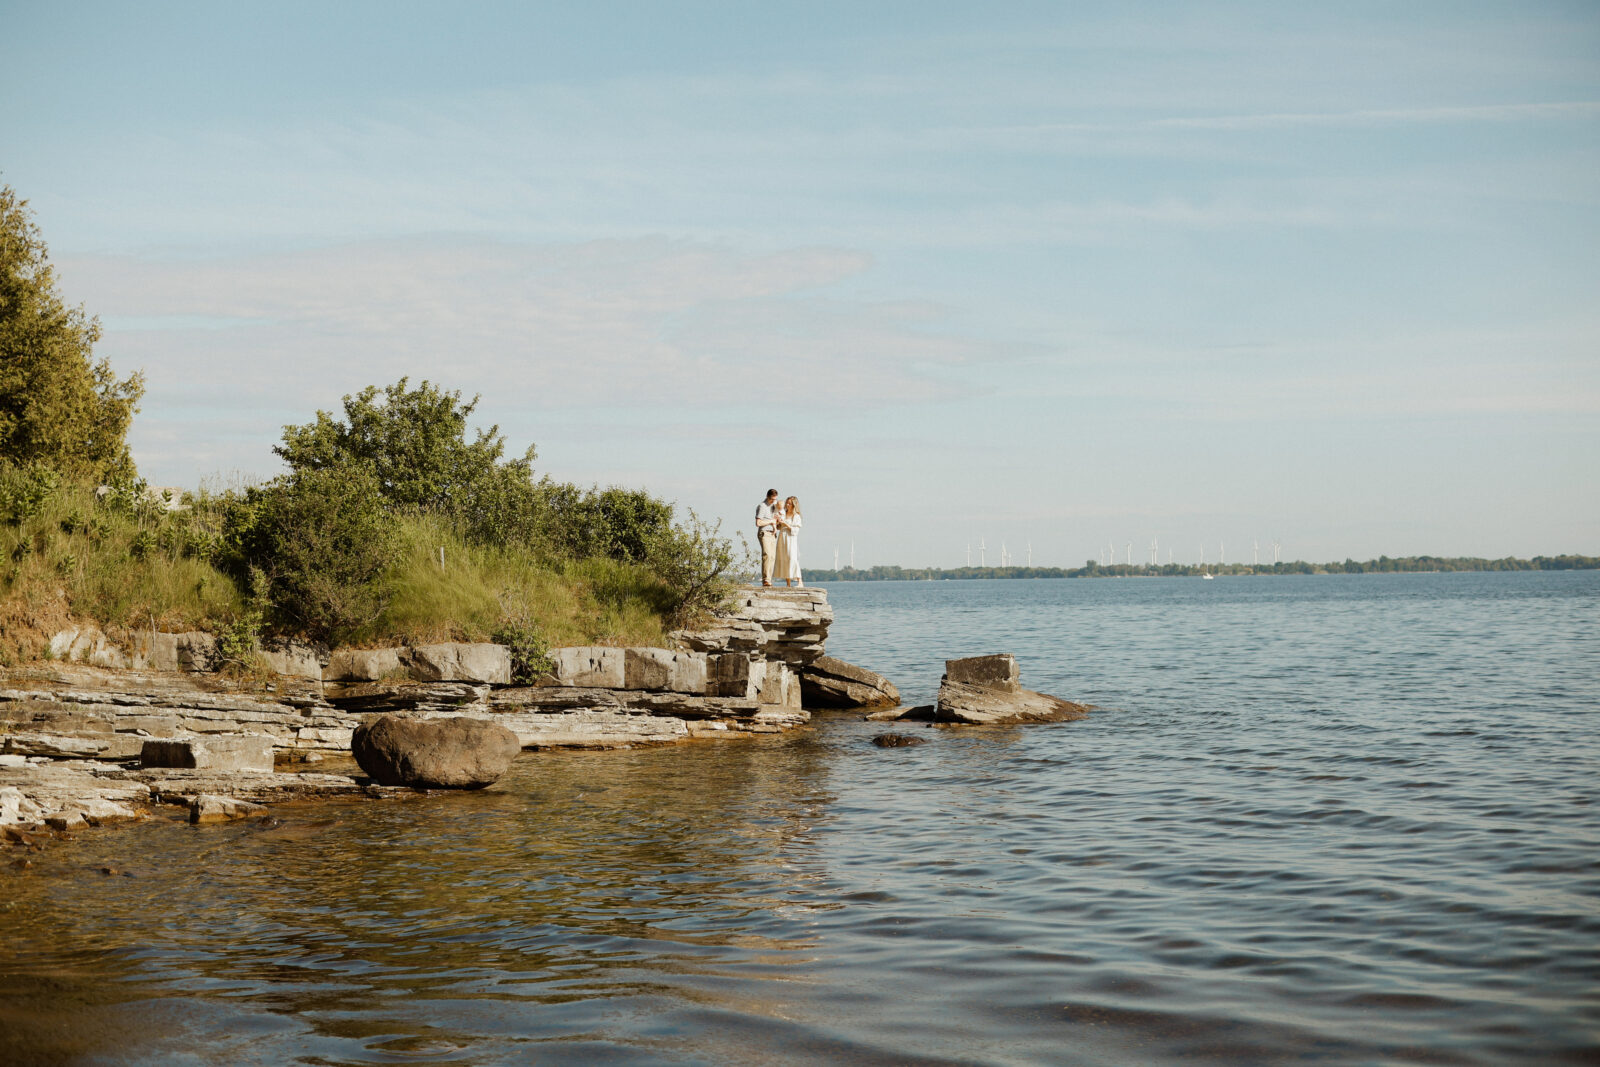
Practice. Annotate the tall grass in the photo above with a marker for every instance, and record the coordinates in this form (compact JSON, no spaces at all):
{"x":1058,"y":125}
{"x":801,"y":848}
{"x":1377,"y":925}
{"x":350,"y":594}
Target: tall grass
{"x":468,"y":591}
{"x":65,"y":555}
{"x":69,"y":557}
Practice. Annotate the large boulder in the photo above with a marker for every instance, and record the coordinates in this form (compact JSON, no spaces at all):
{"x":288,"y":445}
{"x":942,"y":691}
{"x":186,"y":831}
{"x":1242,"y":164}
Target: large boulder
{"x":445,"y":753}
{"x":986,"y":690}
{"x":832,"y":683}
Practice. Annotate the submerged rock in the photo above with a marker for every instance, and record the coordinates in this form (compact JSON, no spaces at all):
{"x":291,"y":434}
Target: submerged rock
{"x":897,"y":740}
{"x":986,"y":690}
{"x":445,"y":753}
{"x":827,"y":682}
{"x":208,"y":807}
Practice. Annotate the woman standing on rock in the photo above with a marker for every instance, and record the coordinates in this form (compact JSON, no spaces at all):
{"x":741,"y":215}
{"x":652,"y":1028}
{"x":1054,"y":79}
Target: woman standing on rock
{"x":788,"y":562}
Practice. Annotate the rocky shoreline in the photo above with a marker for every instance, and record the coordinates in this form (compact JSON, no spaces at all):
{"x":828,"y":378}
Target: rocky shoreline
{"x":105,"y":733}
{"x":83,"y":736}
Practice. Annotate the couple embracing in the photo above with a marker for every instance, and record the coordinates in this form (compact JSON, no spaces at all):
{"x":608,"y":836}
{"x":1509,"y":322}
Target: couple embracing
{"x":778,"y":529}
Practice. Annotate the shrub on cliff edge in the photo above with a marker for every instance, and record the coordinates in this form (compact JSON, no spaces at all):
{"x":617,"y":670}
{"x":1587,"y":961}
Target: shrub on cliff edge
{"x":323,"y":539}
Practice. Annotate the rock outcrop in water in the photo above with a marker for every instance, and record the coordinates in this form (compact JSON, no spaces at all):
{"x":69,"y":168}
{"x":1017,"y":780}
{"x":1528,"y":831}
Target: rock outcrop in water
{"x":445,"y":753}
{"x":827,"y":682}
{"x":987,"y":690}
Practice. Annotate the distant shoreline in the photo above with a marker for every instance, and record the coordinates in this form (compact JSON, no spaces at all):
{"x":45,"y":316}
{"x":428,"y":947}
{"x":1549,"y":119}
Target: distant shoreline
{"x":1091,"y":569}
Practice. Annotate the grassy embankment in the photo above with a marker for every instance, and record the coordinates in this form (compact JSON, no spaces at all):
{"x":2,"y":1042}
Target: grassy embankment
{"x":69,"y":558}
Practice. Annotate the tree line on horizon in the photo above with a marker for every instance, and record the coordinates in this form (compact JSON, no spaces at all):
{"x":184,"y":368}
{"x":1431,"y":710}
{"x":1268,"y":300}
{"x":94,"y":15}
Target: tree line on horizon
{"x":1095,"y":569}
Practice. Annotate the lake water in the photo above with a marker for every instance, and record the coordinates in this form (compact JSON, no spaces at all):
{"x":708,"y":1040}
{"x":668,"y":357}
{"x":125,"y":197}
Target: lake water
{"x":1341,"y":819}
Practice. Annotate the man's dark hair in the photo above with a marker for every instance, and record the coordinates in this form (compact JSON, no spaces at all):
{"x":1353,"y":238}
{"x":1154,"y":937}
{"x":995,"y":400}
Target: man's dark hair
{"x":771,"y":493}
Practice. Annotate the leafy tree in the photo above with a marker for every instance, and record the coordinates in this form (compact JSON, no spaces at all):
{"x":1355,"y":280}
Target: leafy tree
{"x":57,"y":406}
{"x":414,"y":441}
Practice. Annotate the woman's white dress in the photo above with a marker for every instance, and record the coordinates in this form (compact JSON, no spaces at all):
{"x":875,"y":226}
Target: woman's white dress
{"x":787,"y":563}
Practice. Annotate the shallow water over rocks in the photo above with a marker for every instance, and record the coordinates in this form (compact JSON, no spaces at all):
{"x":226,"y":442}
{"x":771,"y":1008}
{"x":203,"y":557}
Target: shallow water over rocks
{"x":1322,"y":819}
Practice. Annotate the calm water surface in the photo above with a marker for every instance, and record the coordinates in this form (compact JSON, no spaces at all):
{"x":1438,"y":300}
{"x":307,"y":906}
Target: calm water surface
{"x":1316,"y":820}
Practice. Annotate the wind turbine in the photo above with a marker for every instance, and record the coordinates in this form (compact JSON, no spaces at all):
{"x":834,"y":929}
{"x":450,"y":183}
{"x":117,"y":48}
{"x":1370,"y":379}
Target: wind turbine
{"x":983,"y":549}
{"x":1130,"y":553}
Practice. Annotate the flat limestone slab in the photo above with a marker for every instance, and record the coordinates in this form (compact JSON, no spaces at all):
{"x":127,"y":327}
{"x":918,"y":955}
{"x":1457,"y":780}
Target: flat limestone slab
{"x":74,"y":792}
{"x":260,"y":787}
{"x":980,"y":705}
{"x":592,"y":728}
{"x":236,"y":752}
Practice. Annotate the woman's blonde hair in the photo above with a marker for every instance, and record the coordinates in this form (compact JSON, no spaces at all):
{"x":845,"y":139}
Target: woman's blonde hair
{"x":792,"y":505}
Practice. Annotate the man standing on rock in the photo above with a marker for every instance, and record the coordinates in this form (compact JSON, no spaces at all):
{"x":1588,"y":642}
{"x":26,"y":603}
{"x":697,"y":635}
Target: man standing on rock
{"x":767,"y":534}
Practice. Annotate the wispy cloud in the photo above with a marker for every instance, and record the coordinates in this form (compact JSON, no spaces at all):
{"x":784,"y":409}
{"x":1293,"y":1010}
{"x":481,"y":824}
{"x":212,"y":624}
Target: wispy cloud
{"x":1559,"y":110}
{"x":603,"y":325}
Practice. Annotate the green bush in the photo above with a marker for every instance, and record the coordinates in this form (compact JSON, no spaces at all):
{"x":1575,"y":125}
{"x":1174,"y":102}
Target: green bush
{"x":25,"y":490}
{"x":238,"y":637}
{"x":530,"y":652}
{"x":696,"y":566}
{"x":323,"y":538}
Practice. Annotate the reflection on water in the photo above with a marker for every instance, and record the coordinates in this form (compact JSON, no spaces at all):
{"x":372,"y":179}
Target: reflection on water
{"x":600,"y":879}
{"x":1347,"y":822}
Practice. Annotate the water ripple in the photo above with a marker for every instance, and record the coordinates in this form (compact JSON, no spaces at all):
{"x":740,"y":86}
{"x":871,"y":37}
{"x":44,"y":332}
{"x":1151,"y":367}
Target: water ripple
{"x":1341,"y":820}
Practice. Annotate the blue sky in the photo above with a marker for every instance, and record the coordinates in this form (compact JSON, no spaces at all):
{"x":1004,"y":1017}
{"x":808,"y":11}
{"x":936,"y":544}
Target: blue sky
{"x":1057,"y":274}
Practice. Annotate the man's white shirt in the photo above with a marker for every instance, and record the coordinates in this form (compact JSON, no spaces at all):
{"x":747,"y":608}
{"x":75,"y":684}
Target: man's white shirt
{"x":764,"y":511}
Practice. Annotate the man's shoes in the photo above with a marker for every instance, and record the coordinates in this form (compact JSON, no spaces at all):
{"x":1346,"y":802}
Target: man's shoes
{"x":766,"y":585}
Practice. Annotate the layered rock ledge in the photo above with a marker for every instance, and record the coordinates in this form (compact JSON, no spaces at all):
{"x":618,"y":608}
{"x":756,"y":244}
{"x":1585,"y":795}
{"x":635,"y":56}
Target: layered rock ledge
{"x":101,"y":728}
